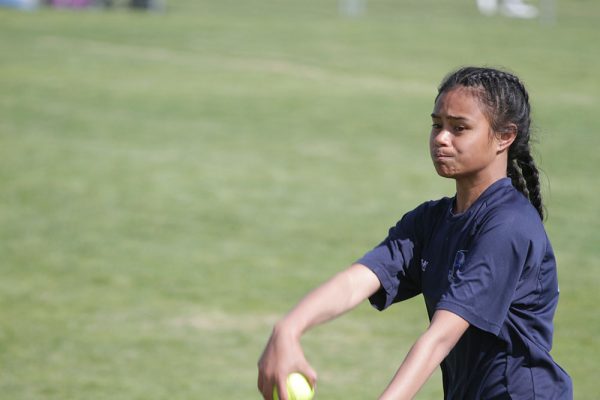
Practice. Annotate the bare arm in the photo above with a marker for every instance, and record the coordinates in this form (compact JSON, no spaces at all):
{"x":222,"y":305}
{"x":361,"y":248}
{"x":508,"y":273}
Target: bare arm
{"x":427,"y":353}
{"x":283,"y":353}
{"x":341,"y":293}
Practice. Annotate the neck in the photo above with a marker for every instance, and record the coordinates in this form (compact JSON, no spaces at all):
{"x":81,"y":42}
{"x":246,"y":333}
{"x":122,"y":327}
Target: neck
{"x":468,"y":191}
{"x":470,"y":186}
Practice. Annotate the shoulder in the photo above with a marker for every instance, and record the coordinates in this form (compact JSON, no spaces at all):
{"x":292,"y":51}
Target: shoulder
{"x":427,"y":212}
{"x":434,"y":208}
{"x":510,"y":211}
{"x":424,"y":217}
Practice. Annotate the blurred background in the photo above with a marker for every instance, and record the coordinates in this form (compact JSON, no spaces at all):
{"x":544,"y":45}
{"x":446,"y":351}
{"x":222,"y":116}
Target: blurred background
{"x":175,"y":175}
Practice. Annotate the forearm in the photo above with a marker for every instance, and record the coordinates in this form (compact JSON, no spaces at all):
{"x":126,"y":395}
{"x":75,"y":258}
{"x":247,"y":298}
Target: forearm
{"x":426,"y":354}
{"x":422,"y":359}
{"x":341,"y":293}
{"x":283,"y":353}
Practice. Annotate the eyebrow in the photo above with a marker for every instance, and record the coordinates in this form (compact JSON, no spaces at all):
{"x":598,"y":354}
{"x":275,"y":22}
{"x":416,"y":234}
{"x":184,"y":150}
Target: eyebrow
{"x":434,"y":115}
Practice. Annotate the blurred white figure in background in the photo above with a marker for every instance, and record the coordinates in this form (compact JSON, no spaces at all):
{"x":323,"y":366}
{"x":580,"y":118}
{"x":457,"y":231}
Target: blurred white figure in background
{"x":510,"y":8}
{"x":352,"y":8}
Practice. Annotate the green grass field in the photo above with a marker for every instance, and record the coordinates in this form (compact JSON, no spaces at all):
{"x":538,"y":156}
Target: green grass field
{"x":172,"y":183}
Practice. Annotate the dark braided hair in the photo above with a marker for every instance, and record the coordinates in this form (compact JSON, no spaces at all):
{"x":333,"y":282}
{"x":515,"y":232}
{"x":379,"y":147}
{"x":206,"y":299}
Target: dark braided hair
{"x":505,"y":102}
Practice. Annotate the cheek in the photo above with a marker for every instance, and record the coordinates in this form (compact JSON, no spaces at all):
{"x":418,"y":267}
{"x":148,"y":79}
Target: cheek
{"x":475,"y":145}
{"x":431,"y":144}
{"x":476,"y":152}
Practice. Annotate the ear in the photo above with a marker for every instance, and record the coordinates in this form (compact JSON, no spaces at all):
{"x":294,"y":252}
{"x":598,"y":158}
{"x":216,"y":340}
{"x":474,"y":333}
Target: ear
{"x":506,"y":137}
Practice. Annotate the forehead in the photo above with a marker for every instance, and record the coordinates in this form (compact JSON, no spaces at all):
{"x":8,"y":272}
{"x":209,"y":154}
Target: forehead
{"x":459,"y":101}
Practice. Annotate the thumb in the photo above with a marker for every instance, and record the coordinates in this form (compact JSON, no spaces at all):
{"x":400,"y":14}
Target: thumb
{"x":311,"y":375}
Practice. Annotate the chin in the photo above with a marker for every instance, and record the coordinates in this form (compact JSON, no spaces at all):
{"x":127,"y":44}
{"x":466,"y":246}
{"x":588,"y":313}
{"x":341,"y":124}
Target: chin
{"x":445,"y":172}
{"x":449,"y":176}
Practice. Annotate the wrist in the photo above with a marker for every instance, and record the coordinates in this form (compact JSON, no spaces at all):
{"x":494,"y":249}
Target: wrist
{"x":286,"y":328}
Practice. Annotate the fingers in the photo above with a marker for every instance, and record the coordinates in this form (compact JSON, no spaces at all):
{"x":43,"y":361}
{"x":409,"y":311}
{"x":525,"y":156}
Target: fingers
{"x":267,"y":387}
{"x":282,"y":389}
{"x":311,"y":375}
{"x":261,"y":383}
{"x":267,"y":382}
{"x":281,"y":356}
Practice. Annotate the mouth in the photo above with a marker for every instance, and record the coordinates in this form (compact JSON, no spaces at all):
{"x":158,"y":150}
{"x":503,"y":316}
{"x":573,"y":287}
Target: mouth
{"x":440,"y":156}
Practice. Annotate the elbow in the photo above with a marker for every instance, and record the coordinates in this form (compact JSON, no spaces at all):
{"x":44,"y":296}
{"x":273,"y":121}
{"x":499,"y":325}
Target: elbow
{"x":438,"y":347}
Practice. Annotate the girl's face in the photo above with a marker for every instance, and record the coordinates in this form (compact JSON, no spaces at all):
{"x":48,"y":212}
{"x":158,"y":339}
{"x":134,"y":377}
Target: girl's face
{"x":462,"y":143}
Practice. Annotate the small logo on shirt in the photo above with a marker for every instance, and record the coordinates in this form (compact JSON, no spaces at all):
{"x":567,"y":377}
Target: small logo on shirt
{"x":424,"y":264}
{"x":459,"y":261}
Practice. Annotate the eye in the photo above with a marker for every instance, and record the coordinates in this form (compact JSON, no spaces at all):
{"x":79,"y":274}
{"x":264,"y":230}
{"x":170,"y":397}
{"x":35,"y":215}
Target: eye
{"x":436,"y":125}
{"x":460,"y":128}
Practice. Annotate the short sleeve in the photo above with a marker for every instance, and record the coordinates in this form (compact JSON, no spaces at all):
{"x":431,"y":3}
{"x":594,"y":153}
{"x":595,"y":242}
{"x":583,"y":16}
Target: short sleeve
{"x":486,"y":275}
{"x":393,"y":261}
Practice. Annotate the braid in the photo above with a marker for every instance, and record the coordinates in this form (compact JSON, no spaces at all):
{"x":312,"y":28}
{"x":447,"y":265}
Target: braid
{"x":506,"y":102}
{"x":515,"y":174}
{"x":531,"y":176}
{"x":525,"y":178}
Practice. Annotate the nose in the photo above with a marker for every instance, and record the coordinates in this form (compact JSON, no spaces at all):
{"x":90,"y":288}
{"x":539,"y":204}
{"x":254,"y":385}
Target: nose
{"x":441,"y":138}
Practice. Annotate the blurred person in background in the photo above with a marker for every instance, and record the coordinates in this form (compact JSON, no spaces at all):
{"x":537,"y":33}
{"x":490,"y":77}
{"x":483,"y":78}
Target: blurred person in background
{"x":20,"y":4}
{"x":510,"y":8}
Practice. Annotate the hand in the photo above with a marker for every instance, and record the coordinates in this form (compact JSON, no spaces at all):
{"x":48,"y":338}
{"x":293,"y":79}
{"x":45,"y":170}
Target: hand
{"x":282,"y":356}
{"x":283,"y":353}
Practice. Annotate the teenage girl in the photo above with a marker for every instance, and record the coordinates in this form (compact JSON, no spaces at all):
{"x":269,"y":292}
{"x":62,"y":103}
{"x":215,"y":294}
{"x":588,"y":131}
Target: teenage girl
{"x":481,"y":259}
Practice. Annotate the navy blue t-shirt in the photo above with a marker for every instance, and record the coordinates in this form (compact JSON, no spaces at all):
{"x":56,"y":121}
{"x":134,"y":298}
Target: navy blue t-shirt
{"x":492,"y":265}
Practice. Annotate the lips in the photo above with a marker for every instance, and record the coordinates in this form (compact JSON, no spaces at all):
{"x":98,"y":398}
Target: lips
{"x":440,"y":155}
